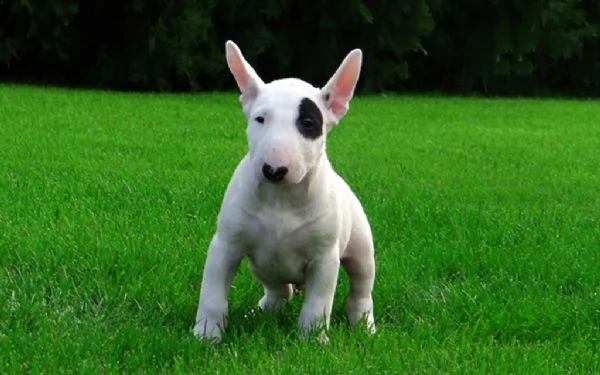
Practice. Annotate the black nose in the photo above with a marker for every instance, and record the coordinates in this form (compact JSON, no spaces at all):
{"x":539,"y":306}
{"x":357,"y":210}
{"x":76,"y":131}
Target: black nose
{"x":274,"y":175}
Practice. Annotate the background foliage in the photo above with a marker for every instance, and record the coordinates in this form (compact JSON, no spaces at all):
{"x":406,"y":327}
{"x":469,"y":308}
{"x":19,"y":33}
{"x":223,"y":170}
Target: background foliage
{"x":493,"y":46}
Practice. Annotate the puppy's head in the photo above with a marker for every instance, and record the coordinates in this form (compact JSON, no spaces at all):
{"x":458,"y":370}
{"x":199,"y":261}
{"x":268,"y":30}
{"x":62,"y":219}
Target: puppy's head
{"x":288,"y":119}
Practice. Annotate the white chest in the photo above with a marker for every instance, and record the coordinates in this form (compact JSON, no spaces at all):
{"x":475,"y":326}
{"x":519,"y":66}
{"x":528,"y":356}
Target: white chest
{"x":282,"y":244}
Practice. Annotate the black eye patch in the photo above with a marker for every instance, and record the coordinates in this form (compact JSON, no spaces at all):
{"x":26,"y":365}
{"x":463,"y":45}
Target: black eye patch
{"x":310,"y":119}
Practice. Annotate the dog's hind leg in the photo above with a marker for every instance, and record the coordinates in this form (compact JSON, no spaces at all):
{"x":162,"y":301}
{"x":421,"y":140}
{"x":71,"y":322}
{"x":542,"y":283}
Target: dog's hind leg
{"x":359,"y":304}
{"x":276,"y":297}
{"x":358,"y":262}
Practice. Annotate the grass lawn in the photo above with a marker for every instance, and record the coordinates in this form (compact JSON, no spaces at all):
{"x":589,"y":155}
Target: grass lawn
{"x":485,"y":212}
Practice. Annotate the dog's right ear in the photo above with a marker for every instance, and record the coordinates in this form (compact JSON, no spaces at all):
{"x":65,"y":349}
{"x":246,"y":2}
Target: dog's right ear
{"x":340,"y":88}
{"x":245,"y":76}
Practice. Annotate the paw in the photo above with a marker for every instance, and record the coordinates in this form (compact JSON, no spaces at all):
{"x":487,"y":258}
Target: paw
{"x":314,"y":328}
{"x":275,"y":299}
{"x":366,"y":321}
{"x":322,"y":338}
{"x":298,"y":287}
{"x":370,"y":324}
{"x":274,"y":304}
{"x":316,"y":333}
{"x":360,"y":310}
{"x":206,"y":329}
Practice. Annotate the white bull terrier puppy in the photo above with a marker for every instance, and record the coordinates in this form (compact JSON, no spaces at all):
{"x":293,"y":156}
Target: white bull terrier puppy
{"x":285,"y":207}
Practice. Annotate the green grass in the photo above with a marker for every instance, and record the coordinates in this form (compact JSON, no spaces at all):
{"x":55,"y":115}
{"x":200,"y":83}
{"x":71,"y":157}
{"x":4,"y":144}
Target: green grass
{"x":485,"y":212}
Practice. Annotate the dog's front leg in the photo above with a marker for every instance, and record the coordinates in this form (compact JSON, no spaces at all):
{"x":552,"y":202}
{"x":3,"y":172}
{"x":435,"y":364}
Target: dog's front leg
{"x":321,"y":280}
{"x":221,"y":264}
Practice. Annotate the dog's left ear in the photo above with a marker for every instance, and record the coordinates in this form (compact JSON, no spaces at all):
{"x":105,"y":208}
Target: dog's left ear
{"x":340,"y":88}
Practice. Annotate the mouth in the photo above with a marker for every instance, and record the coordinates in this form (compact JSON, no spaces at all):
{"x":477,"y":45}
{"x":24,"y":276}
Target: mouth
{"x":270,"y":182}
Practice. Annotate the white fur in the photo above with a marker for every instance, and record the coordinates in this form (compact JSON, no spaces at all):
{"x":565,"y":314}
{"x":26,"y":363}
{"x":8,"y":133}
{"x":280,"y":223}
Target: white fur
{"x":297,"y":231}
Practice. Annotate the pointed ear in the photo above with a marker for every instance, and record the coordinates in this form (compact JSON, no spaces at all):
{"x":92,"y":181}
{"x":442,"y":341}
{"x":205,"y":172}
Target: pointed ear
{"x":340,"y":88}
{"x":245,"y":76}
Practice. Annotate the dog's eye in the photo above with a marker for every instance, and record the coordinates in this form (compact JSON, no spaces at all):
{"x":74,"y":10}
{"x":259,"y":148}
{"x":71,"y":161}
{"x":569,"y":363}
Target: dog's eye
{"x":307,"y":123}
{"x":259,"y":119}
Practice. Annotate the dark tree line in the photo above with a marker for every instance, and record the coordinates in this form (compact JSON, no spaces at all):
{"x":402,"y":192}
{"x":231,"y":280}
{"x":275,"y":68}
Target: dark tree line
{"x":492,"y":46}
